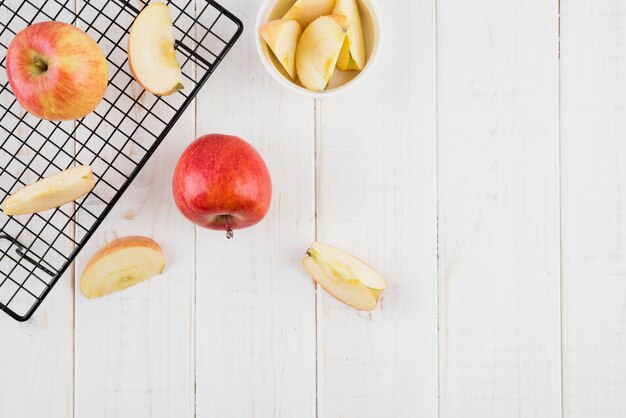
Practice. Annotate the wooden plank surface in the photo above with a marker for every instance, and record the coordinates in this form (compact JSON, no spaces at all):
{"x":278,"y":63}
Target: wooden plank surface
{"x":497,"y":81}
{"x":255,"y":307}
{"x":36,"y":357}
{"x":593,"y":129}
{"x":134,"y":355}
{"x":497,"y":220}
{"x":376,"y":190}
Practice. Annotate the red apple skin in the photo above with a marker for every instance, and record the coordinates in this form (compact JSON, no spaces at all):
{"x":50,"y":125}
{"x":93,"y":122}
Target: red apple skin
{"x":56,"y":71}
{"x":222,"y":183}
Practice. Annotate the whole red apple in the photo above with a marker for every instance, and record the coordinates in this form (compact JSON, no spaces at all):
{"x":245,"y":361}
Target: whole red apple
{"x":222,"y":183}
{"x":56,"y":71}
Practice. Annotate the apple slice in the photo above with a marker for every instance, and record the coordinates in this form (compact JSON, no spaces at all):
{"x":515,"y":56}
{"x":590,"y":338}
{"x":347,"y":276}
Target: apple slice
{"x":318,"y":50}
{"x":282,"y":37}
{"x":344,"y":276}
{"x":151,"y":53}
{"x":352,"y":55}
{"x":51,"y":192}
{"x":121,"y":264}
{"x":306,"y":11}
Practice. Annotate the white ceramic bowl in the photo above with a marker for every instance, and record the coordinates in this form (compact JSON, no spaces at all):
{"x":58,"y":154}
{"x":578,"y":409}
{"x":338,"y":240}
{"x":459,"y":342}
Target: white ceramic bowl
{"x":342,"y":80}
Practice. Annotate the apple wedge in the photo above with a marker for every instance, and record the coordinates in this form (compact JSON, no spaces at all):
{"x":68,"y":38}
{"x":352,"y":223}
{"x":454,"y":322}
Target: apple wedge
{"x":352,"y":55}
{"x":121,"y":264}
{"x":344,"y":276}
{"x":282,"y":37}
{"x":51,"y":192}
{"x":306,"y":11}
{"x":151,"y":54}
{"x":318,"y":50}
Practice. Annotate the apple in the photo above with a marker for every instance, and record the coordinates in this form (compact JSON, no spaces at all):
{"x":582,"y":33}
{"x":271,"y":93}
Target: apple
{"x":51,"y":192}
{"x":56,"y":71}
{"x":222,"y":183}
{"x":306,"y":11}
{"x":121,"y":264}
{"x":352,"y":55}
{"x":282,"y":37}
{"x":318,"y":51}
{"x":151,"y":55}
{"x":344,"y":276}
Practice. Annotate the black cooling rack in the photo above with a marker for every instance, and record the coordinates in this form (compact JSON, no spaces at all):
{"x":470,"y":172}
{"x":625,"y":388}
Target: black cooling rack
{"x":116,"y":140}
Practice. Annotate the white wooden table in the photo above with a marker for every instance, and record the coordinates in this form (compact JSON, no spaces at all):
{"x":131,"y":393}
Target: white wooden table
{"x":480,"y":169}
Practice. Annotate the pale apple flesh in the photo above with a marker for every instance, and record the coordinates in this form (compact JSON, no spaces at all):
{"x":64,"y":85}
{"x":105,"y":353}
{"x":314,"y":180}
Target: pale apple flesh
{"x":306,"y":11}
{"x":352,"y":55}
{"x":51,"y":192}
{"x":318,"y":51}
{"x":344,"y":276}
{"x":282,"y":37}
{"x":151,"y":54}
{"x":121,"y":264}
{"x":56,"y":71}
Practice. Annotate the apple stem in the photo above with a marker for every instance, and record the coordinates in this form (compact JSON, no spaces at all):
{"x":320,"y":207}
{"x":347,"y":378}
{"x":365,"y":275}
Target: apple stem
{"x":229,"y":230}
{"x":41,"y":63}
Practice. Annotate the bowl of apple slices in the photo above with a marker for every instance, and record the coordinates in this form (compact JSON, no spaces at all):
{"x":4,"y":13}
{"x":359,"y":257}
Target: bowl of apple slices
{"x":318,"y":47}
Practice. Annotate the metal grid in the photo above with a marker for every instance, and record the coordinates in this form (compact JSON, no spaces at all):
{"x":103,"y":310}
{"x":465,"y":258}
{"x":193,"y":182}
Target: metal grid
{"x":116,"y":140}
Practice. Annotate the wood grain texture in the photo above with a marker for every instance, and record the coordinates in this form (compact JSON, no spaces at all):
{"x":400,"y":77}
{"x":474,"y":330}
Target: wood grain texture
{"x":36,"y":357}
{"x":444,"y":171}
{"x":593,"y":128}
{"x":134,"y":353}
{"x":255,"y":305}
{"x":376,"y":173}
{"x":497,"y":78}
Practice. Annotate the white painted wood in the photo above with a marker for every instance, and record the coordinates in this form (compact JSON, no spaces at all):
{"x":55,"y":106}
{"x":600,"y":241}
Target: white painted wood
{"x":593,"y":97}
{"x":376,"y":190}
{"x":458,"y":137}
{"x":36,"y":357}
{"x":134,"y":353}
{"x":497,"y":84}
{"x":255,"y":312}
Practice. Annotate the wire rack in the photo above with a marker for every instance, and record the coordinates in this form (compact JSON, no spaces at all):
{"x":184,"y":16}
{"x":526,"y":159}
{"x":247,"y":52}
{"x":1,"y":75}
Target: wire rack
{"x":116,"y":140}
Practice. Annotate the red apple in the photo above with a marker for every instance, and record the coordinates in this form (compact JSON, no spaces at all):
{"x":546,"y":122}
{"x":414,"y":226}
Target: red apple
{"x":56,"y":71}
{"x":222,"y":183}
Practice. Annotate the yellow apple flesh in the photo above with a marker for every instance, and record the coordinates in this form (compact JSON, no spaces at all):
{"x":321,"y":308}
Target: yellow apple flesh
{"x":352,"y":55}
{"x":306,"y":11}
{"x":344,"y":276}
{"x":282,"y":37}
{"x":121,"y":264}
{"x":51,"y":192}
{"x":318,"y":50}
{"x":151,"y":54}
